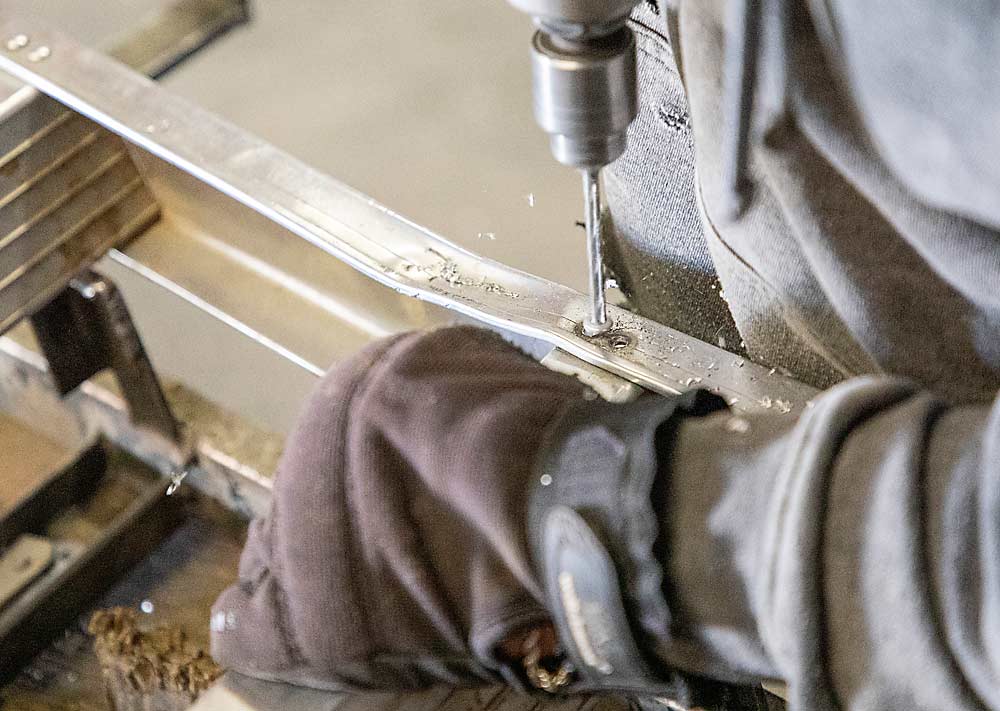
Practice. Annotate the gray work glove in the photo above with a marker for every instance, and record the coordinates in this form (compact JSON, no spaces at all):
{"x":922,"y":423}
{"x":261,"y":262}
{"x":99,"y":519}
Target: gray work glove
{"x":396,"y":554}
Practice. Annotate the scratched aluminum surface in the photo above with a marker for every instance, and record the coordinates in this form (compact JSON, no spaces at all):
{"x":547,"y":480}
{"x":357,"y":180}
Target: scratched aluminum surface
{"x":371,"y":238}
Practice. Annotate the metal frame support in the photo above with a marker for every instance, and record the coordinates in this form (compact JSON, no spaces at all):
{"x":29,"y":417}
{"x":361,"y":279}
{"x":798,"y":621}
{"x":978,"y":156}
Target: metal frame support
{"x":86,"y":329}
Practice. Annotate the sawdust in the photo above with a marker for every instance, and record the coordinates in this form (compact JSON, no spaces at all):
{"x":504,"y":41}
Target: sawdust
{"x":158,"y":668}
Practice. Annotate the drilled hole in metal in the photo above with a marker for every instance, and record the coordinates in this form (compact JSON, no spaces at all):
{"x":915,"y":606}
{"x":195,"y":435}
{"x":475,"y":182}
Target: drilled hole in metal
{"x":619,"y":342}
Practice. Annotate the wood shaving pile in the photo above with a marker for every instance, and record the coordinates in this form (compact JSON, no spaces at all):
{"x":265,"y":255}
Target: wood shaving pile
{"x":141,"y":664}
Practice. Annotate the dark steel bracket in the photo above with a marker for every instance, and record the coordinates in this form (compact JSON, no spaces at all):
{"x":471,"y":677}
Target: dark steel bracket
{"x":87,"y":329}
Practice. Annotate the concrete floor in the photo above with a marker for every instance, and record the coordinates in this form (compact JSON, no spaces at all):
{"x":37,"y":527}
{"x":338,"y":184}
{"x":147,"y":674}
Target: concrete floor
{"x":423,"y":105}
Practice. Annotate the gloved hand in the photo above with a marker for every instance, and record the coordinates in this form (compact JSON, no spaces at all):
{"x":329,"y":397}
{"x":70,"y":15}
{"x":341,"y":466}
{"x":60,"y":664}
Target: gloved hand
{"x":397,"y":555}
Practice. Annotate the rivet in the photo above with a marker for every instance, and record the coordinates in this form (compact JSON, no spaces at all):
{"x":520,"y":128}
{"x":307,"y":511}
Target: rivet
{"x":545,"y":480}
{"x":17,"y":42}
{"x":39,"y":54}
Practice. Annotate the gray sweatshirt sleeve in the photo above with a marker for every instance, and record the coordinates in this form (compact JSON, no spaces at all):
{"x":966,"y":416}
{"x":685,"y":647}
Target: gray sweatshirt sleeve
{"x":854,"y":553}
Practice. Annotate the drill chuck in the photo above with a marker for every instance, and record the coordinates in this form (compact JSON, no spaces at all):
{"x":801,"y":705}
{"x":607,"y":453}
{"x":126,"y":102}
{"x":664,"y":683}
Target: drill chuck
{"x":585,"y":95}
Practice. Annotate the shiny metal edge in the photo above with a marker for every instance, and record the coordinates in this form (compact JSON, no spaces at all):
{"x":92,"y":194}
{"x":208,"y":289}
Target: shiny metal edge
{"x":371,"y":238}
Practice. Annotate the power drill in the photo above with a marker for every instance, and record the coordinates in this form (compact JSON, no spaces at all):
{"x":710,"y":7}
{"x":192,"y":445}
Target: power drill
{"x":585,"y":98}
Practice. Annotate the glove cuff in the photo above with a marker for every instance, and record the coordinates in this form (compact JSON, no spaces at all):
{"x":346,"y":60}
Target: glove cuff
{"x":593,"y":530}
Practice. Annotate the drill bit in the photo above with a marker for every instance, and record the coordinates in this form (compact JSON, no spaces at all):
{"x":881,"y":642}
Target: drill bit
{"x":586,"y":95}
{"x":596,"y":321}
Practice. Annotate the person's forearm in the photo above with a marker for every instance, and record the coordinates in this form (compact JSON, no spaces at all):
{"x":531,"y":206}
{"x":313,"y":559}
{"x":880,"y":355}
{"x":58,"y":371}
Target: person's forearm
{"x":853,"y":553}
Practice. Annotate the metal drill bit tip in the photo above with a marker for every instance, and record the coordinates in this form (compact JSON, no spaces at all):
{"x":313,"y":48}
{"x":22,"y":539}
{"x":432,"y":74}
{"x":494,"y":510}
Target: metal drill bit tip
{"x":596,"y":321}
